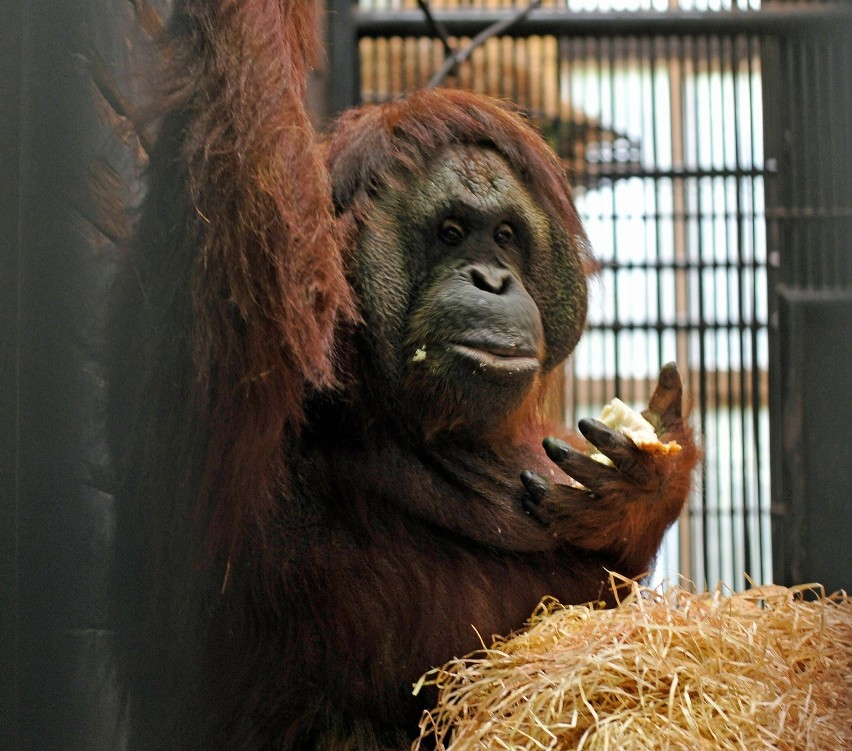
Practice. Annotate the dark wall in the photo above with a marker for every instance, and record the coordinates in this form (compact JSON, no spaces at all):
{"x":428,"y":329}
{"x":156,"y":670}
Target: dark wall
{"x":55,"y":507}
{"x":808,"y":122}
{"x":815,"y":380}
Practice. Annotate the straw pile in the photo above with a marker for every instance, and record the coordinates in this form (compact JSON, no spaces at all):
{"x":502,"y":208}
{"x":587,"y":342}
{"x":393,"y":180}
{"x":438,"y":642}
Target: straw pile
{"x":765,"y":669}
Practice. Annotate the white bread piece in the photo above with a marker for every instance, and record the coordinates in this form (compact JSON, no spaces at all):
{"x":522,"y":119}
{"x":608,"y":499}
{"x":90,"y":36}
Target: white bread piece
{"x":618,"y":416}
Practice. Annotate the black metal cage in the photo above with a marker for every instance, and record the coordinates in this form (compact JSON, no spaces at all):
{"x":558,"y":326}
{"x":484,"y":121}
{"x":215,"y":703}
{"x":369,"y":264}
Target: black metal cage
{"x":707,"y":143}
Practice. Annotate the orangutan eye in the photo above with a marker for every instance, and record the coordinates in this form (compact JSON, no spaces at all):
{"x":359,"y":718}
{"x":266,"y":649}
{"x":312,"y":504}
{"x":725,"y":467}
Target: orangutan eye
{"x":504,"y":234}
{"x":451,"y":232}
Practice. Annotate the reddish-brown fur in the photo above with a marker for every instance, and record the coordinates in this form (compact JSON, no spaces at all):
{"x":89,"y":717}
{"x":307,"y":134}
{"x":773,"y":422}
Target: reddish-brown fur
{"x":266,"y":245}
{"x":291,"y":555}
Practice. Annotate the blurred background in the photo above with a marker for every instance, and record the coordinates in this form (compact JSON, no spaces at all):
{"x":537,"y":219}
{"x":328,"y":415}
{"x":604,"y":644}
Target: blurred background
{"x":709,"y":146}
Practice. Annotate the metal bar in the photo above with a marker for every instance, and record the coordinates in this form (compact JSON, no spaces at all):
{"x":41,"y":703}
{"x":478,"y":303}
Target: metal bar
{"x":761,"y":502}
{"x":674,"y":265}
{"x":786,"y":20}
{"x":678,"y":325}
{"x":628,"y":171}
{"x":772,"y":63}
{"x":16,"y":56}
{"x":743,"y":223}
{"x":708,"y":283}
{"x":343,"y":34}
{"x":607,"y":68}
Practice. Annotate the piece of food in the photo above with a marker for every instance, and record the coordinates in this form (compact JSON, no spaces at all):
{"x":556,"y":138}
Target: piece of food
{"x":618,"y":416}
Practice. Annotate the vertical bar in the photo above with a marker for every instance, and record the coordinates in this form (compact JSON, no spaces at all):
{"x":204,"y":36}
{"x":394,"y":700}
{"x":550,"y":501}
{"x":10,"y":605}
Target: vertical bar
{"x":758,"y":420}
{"x":708,"y":510}
{"x":741,"y":182}
{"x":345,"y":78}
{"x":772,"y":62}
{"x":796,"y":265}
{"x":673,"y":52}
{"x":14,"y":52}
{"x":741,"y":185}
{"x":843,"y":187}
{"x":811,"y":249}
{"x":829,"y":126}
{"x":607,"y":86}
{"x":394,"y":66}
{"x":733,"y":307}
{"x":709,"y":276}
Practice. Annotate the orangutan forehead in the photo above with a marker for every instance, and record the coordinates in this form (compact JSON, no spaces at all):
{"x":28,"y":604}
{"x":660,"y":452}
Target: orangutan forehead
{"x":476,"y":176}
